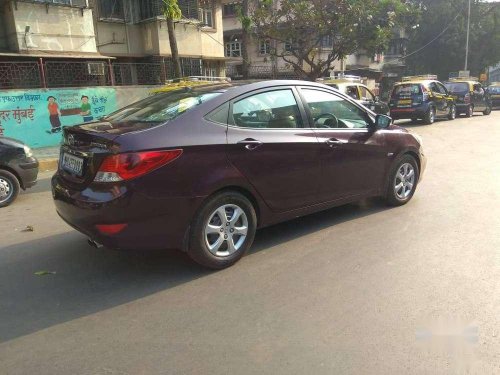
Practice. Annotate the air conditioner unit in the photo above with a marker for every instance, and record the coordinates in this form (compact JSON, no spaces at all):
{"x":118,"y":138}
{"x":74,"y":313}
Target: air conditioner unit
{"x":95,"y":68}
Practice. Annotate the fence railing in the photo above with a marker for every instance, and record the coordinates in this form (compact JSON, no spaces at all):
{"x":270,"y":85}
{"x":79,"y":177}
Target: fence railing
{"x":52,"y":73}
{"x":261,"y":72}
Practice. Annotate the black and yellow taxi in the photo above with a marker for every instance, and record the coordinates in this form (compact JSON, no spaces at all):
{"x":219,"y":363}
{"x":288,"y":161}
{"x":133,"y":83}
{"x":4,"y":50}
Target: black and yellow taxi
{"x":421,"y":97}
{"x":470,"y":96}
{"x":353,"y":86}
{"x":494,"y":93}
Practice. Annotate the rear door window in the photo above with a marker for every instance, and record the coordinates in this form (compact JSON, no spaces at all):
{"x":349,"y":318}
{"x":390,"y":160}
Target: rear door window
{"x":353,"y":92}
{"x":276,"y":109}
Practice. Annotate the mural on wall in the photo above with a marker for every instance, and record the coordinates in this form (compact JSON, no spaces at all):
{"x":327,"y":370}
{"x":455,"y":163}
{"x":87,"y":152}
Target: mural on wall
{"x":37,"y":117}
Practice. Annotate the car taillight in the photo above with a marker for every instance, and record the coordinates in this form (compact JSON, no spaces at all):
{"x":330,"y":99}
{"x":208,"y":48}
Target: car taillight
{"x":467,"y":98}
{"x":110,"y":229}
{"x":131,"y":165}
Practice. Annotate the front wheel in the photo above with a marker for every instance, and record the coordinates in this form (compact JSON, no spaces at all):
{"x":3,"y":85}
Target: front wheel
{"x":222,"y":231}
{"x":430,"y":116}
{"x":453,"y":113}
{"x":487,"y":111}
{"x":403,"y":180}
{"x":9,"y":188}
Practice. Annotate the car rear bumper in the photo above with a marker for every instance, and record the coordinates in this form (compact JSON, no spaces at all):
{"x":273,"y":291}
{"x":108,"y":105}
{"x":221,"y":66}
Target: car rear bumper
{"x":151,"y":222}
{"x":408,"y":113}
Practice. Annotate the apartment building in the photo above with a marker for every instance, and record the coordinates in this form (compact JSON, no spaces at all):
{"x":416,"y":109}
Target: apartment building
{"x":56,"y":43}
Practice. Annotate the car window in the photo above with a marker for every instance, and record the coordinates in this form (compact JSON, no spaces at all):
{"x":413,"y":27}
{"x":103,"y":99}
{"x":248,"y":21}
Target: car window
{"x":457,"y":87}
{"x":433,"y":87}
{"x":366,"y":94}
{"x":406,"y":90}
{"x":331,"y":111}
{"x":352,"y":91}
{"x":441,"y":88}
{"x":270,"y":109}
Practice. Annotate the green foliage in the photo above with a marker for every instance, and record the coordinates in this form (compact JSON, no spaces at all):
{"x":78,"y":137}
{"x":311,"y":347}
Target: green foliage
{"x":447,"y":53}
{"x":351,"y":26}
{"x":171,"y":9}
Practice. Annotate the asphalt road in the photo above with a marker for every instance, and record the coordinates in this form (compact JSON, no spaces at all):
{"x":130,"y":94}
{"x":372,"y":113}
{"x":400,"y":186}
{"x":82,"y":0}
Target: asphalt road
{"x":360,"y":289}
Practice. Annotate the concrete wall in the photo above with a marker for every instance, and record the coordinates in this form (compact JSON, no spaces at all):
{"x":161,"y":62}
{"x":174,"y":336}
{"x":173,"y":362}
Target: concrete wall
{"x":52,"y":28}
{"x":24,"y":114}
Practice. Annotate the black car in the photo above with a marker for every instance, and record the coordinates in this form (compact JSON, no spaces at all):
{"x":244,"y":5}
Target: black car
{"x":494,"y":92}
{"x":18,"y":169}
{"x":470,"y":96}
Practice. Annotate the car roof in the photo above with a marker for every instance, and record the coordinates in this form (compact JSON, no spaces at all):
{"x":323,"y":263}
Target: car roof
{"x":417,"y":81}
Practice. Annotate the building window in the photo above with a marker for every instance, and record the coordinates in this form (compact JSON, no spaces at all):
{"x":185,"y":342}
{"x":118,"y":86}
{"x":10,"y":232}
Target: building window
{"x":288,"y":46}
{"x":233,"y":49}
{"x":230,"y":10}
{"x":326,"y":41}
{"x":189,"y":9}
{"x":205,"y":13}
{"x":111,"y":9}
{"x":264,"y":47}
{"x":149,"y":9}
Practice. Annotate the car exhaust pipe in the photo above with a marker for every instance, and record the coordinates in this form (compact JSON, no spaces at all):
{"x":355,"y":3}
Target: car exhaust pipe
{"x":95,"y":244}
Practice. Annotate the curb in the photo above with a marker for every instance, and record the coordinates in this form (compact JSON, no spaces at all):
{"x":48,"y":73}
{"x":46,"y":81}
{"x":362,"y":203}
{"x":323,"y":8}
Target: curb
{"x":49,"y":164}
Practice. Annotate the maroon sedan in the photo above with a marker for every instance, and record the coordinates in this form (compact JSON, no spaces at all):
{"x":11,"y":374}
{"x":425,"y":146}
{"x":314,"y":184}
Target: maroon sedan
{"x":201,"y":169}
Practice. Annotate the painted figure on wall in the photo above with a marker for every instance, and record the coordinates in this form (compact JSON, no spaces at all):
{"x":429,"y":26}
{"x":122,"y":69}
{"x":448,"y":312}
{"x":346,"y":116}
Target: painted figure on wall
{"x":54,"y":114}
{"x":86,"y":109}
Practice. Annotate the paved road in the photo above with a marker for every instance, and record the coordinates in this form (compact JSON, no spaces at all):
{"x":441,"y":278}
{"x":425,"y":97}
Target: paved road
{"x":360,"y":289}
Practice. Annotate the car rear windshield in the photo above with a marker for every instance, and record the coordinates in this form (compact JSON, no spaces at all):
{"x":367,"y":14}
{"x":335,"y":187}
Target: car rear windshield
{"x":457,"y":87}
{"x":407,"y":89}
{"x":494,"y":89}
{"x":162,"y":108}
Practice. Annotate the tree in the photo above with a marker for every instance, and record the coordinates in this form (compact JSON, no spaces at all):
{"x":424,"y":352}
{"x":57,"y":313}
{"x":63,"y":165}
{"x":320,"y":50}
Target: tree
{"x":446,"y":52}
{"x":172,"y":13}
{"x":300,"y":29}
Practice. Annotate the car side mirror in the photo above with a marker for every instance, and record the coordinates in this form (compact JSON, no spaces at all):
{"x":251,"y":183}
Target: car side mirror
{"x":382,"y":121}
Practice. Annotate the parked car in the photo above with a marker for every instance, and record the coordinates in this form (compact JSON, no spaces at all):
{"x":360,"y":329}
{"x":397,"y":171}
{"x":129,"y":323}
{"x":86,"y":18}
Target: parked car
{"x":494,"y":92}
{"x":470,"y":96}
{"x":201,"y":169}
{"x":353,"y":87}
{"x":421,"y":97}
{"x":18,"y":169}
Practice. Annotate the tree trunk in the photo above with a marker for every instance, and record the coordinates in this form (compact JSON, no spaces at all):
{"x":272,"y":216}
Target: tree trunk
{"x":176,"y":61}
{"x":245,"y":40}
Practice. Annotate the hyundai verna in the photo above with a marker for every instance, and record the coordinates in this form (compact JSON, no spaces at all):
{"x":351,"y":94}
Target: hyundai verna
{"x":201,"y":169}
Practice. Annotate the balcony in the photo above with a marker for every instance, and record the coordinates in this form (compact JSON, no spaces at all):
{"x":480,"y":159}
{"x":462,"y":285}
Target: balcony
{"x":67,"y":3}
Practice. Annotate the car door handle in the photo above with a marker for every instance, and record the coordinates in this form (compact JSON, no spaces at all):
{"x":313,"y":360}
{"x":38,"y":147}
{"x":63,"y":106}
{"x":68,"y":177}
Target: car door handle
{"x":250,"y":143}
{"x":332,"y":142}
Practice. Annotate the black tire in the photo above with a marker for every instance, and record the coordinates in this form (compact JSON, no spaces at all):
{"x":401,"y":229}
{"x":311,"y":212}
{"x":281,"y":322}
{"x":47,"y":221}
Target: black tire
{"x":470,"y":111}
{"x":452,"y":115}
{"x":430,"y":116}
{"x":9,"y":184}
{"x":198,"y":248}
{"x":392,"y":197}
{"x":487,"y":111}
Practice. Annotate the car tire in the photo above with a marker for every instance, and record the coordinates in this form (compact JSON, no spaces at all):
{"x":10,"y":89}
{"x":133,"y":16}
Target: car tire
{"x":404,"y":172}
{"x":470,"y":111}
{"x":452,"y":115}
{"x":9,"y":188}
{"x":214,"y":241}
{"x":430,"y":116}
{"x":487,"y":111}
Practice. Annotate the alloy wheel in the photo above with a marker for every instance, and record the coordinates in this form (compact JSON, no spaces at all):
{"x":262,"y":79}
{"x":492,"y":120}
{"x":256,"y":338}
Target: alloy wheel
{"x":6,"y":190}
{"x":453,"y":113}
{"x":226,"y":230}
{"x":404,"y":181}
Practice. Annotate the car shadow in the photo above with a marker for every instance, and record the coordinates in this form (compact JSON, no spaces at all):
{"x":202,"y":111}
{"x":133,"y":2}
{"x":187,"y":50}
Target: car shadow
{"x":82,"y":280}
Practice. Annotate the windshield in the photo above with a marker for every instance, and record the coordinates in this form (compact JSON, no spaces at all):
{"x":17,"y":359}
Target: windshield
{"x":494,"y":89}
{"x":407,"y":89}
{"x":161,"y":108}
{"x":457,"y":86}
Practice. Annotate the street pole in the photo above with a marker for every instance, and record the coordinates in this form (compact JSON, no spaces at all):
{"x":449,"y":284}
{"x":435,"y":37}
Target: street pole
{"x":467,"y":42}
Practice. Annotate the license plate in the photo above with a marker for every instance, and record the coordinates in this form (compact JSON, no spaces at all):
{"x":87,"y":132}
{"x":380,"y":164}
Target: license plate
{"x":72,"y":164}
{"x":405,"y":102}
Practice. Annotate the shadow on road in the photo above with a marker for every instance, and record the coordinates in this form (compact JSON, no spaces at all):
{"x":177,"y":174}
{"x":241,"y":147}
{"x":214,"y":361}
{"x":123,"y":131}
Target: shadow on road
{"x":89,"y":280}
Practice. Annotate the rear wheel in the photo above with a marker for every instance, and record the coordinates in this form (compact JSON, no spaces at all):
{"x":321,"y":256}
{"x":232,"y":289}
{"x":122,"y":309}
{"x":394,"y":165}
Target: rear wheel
{"x":487,"y":111}
{"x":403,"y":180}
{"x":9,"y":188}
{"x":430,"y":116}
{"x":222,"y":231}
{"x":452,"y":115}
{"x":470,"y":111}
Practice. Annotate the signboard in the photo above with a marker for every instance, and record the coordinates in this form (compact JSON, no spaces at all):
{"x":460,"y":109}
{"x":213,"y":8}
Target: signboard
{"x":37,"y":117}
{"x":464,"y":74}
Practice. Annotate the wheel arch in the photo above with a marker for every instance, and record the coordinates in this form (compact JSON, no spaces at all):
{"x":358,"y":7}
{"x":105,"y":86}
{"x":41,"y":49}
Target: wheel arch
{"x":14,"y":172}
